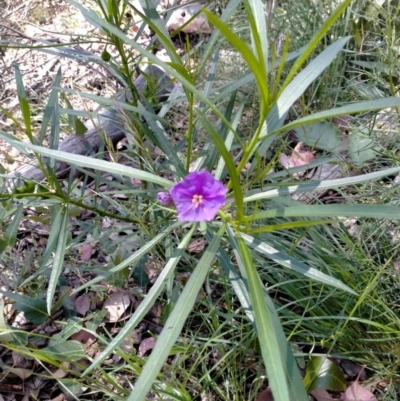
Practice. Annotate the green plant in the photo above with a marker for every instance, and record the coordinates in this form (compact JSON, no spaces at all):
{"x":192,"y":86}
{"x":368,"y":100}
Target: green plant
{"x":260,"y":235}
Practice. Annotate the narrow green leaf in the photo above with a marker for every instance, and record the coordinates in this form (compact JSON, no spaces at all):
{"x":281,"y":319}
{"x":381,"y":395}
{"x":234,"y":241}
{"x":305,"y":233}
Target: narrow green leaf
{"x":230,"y":165}
{"x":301,"y":82}
{"x":53,"y":235}
{"x":49,"y":111}
{"x":96,"y":164}
{"x":287,"y":261}
{"x":372,"y":211}
{"x":328,"y":184}
{"x":272,"y":356}
{"x":259,"y":34}
{"x":360,"y":107}
{"x":147,"y":302}
{"x":12,"y":230}
{"x":228,"y":11}
{"x":58,"y":260}
{"x":175,"y":321}
{"x":229,"y":137}
{"x":23,"y":103}
{"x":152,"y":18}
{"x":245,"y":51}
{"x":315,"y":40}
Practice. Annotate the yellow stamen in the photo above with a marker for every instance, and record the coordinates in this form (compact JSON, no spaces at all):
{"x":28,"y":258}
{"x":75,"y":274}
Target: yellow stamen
{"x":197,"y":200}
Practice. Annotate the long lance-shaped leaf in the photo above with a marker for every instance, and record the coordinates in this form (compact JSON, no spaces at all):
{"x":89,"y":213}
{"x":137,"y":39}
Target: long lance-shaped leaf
{"x":259,"y":34}
{"x":302,"y":81}
{"x":23,"y":103}
{"x":230,"y":165}
{"x":90,"y":162}
{"x":318,"y":185}
{"x":147,"y":303}
{"x":360,"y":107}
{"x":293,"y":264}
{"x":372,"y":211}
{"x":296,"y":387}
{"x":245,"y":51}
{"x":315,"y":40}
{"x":58,"y":260}
{"x":269,"y":344}
{"x":175,"y":321}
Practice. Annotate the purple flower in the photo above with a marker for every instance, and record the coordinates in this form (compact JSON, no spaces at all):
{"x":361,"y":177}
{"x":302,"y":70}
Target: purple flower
{"x":198,"y":197}
{"x":165,"y":198}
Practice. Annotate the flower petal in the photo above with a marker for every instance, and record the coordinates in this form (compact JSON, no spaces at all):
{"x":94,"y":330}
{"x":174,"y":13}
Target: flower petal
{"x":198,"y":197}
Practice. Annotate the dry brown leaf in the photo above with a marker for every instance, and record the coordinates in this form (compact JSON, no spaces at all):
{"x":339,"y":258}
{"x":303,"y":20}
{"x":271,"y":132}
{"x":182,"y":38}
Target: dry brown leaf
{"x":86,"y":252}
{"x":356,"y":392}
{"x":127,"y":343}
{"x":116,"y":304}
{"x":197,"y":246}
{"x":61,"y":373}
{"x":82,"y":304}
{"x":146,"y":345}
{"x":298,"y":158}
{"x":84,"y":337}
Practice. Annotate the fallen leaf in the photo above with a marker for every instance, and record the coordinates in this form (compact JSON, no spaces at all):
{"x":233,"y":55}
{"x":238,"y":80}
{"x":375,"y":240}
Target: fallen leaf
{"x":82,"y":304}
{"x":86,"y":252}
{"x":297,"y":159}
{"x":84,"y":337}
{"x":116,"y":304}
{"x":197,"y":246}
{"x":146,"y":345}
{"x":356,"y":392}
{"x":61,"y":373}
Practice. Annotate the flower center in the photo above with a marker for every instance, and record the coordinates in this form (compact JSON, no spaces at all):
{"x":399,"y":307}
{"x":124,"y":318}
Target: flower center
{"x":197,"y":200}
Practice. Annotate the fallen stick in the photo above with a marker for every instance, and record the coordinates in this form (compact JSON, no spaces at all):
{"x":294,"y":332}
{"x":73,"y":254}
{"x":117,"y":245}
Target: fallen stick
{"x":110,"y":124}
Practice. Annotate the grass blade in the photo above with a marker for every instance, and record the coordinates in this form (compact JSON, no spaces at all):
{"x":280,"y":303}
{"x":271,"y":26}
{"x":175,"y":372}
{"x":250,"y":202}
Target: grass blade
{"x":175,"y":321}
